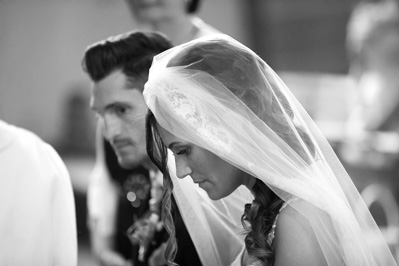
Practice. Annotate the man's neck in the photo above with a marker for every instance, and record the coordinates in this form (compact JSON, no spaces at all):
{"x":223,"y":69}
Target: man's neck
{"x":149,"y":165}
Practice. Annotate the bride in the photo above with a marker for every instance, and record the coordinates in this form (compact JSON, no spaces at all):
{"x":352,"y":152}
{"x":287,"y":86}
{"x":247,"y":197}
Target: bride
{"x":231,"y":123}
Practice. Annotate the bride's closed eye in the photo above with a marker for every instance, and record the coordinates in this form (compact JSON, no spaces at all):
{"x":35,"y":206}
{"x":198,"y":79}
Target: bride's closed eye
{"x":182,"y":151}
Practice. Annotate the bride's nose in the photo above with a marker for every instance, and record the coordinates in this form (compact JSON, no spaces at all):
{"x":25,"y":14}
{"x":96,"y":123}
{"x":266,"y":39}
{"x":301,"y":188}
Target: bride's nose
{"x":182,"y":168}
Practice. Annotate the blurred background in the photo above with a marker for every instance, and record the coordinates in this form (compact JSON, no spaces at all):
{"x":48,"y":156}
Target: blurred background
{"x":43,"y":89}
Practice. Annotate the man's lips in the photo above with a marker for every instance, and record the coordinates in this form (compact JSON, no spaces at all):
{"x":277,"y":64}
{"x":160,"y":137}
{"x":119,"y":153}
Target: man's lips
{"x":120,"y":144}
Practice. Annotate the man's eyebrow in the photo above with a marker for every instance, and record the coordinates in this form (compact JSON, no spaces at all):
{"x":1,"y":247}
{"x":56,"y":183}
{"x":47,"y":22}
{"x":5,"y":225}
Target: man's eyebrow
{"x":118,"y":103}
{"x":110,"y":106}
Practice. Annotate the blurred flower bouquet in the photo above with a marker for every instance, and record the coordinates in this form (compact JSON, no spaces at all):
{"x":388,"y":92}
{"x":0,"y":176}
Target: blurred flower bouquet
{"x":142,"y":232}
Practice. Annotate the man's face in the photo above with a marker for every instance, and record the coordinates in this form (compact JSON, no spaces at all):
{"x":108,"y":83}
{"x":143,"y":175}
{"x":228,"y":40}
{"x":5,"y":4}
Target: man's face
{"x":122,"y":111}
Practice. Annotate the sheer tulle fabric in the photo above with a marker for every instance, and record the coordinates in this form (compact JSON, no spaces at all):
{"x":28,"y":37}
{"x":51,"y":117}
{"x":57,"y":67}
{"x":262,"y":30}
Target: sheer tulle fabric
{"x":200,"y":108}
{"x":214,"y":226}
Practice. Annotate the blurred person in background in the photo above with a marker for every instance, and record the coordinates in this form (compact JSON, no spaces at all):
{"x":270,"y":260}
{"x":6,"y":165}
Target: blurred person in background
{"x":176,"y":19}
{"x":120,"y":187}
{"x":38,"y":224}
{"x":373,"y":50}
{"x":119,"y":68}
{"x":371,"y":147}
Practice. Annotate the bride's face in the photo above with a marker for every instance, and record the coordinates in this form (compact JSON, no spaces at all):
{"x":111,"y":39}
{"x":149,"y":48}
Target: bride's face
{"x":216,"y":176}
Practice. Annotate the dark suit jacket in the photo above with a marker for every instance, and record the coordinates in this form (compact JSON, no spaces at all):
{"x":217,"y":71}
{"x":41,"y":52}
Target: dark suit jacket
{"x":186,"y":255}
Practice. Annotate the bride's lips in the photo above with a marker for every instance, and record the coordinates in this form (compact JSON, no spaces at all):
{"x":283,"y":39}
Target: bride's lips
{"x":200,"y":183}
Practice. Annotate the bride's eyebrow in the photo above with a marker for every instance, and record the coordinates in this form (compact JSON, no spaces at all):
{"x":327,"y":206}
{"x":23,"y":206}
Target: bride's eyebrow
{"x":173,"y":144}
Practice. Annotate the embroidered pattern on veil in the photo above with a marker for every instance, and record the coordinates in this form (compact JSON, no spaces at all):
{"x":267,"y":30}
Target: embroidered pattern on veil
{"x":193,"y":112}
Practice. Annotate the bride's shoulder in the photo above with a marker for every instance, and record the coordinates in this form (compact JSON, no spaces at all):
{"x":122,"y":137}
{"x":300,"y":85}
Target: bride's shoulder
{"x":294,"y":235}
{"x":290,"y":220}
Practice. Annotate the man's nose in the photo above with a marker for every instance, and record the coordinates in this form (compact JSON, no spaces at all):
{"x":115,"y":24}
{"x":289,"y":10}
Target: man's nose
{"x":112,"y":127}
{"x":182,"y":168}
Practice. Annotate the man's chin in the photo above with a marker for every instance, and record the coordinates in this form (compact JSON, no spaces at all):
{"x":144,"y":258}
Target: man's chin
{"x":128,"y":163}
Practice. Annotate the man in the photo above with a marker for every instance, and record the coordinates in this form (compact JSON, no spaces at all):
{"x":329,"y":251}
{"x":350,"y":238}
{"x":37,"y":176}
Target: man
{"x":118,"y":68}
{"x":38,"y":225}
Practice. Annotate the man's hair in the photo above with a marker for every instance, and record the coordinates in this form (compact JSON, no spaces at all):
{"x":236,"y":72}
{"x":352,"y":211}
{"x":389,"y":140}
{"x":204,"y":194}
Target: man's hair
{"x":131,"y":52}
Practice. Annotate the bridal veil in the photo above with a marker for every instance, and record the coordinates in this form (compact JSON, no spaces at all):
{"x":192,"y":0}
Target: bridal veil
{"x":272,"y":139}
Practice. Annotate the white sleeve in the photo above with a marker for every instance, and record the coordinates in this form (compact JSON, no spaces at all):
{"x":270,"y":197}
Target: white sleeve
{"x":63,"y":214}
{"x":37,"y":204}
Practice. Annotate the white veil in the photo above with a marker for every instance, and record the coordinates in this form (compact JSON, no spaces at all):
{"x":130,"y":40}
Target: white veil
{"x":270,"y":136}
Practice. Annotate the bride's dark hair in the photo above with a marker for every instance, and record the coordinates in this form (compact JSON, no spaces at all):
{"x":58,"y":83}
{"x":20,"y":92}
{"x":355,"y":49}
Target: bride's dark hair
{"x":158,"y":153}
{"x":242,"y":73}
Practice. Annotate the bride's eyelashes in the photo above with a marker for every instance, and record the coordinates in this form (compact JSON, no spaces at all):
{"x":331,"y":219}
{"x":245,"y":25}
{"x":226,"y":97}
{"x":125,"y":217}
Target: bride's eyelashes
{"x":182,"y":151}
